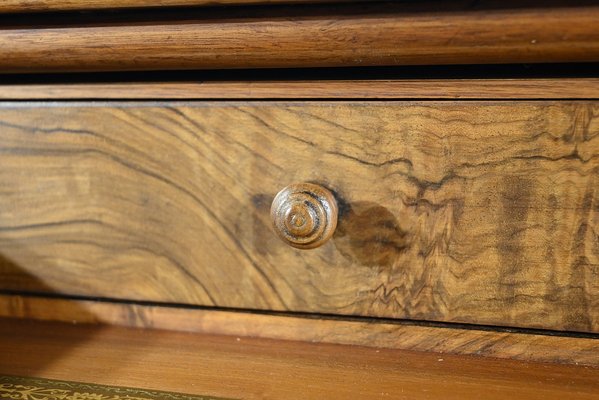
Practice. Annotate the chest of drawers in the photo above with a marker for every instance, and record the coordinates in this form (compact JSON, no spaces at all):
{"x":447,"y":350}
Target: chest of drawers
{"x":455,"y":203}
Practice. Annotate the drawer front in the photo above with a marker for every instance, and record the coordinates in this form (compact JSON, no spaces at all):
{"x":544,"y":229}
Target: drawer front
{"x":473,"y":212}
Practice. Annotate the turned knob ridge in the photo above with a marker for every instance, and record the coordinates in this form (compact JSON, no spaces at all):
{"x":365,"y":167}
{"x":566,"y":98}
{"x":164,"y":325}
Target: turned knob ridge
{"x":304,"y":215}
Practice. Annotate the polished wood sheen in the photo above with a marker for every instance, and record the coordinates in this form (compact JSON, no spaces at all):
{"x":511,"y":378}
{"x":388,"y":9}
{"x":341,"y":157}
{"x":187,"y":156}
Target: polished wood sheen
{"x":526,"y":88}
{"x":477,"y":212}
{"x":403,"y":335}
{"x":562,"y":34}
{"x":304,"y":215}
{"x":245,"y":368}
{"x":13,"y":6}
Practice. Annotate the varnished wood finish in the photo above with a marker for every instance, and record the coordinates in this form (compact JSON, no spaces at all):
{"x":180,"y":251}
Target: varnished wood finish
{"x":395,"y":38}
{"x":14,"y":6}
{"x":478,"y":212}
{"x":380,"y":334}
{"x":265,"y":369}
{"x":304,"y":215}
{"x":562,"y":88}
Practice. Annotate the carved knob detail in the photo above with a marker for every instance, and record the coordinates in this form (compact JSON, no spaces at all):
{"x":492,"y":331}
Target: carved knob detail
{"x":304,"y":215}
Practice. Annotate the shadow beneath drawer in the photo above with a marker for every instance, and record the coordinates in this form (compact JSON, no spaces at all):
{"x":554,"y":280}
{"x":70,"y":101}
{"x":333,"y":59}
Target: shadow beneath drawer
{"x":22,"y":308}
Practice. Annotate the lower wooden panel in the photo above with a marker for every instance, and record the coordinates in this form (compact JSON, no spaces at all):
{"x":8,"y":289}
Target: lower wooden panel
{"x":266,"y":369}
{"x":476,"y":212}
{"x":380,"y":334}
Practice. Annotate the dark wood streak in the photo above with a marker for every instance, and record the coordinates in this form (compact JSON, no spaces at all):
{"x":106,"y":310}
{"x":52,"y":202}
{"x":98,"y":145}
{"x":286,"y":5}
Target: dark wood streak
{"x":516,"y":198}
{"x":400,"y":160}
{"x":576,"y":296}
{"x":48,"y":225}
{"x":46,"y":131}
{"x":478,"y":212}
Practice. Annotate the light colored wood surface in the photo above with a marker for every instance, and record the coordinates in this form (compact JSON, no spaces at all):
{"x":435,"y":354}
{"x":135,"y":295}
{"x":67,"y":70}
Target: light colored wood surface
{"x":264,"y":369}
{"x":393,"y":38}
{"x":13,"y":6}
{"x":478,"y":212}
{"x":562,"y":88}
{"x":402,"y":335}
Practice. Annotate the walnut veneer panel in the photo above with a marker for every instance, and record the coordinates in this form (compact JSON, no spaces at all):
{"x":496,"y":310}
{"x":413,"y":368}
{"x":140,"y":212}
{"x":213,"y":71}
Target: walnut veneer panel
{"x":481,"y":212}
{"x":246,"y":368}
{"x":393,"y":38}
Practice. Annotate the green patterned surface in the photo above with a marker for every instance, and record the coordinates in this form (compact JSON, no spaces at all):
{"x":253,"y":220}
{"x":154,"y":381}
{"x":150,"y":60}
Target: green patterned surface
{"x":21,"y":388}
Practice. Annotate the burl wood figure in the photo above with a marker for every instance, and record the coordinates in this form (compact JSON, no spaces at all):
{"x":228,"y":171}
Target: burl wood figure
{"x":480,"y":212}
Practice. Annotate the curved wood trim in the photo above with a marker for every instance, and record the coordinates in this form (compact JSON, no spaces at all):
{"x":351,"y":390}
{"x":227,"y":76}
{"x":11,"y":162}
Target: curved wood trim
{"x":563,"y":88}
{"x":487,"y":343}
{"x":497,"y":36}
{"x":14,"y":6}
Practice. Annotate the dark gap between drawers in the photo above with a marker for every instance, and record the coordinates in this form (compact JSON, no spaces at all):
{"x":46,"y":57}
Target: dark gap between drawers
{"x":306,"y":315}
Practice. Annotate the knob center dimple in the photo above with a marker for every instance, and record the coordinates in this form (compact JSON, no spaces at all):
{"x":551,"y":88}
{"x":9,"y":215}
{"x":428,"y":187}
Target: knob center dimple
{"x":299,"y":219}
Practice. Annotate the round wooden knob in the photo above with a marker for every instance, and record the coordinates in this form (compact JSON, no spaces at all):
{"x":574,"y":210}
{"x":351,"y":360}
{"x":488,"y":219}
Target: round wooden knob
{"x":304,"y":215}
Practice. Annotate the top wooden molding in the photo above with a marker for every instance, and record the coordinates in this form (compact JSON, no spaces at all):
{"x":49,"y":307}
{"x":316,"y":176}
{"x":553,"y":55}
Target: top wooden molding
{"x":15,"y":6}
{"x":390,"y":36}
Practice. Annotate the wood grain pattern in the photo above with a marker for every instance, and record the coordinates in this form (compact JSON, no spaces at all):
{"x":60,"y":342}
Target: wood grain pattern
{"x":14,"y":6}
{"x":379,"y":334}
{"x":395,"y":38}
{"x":557,"y":88}
{"x":478,"y":212}
{"x":265,"y":369}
